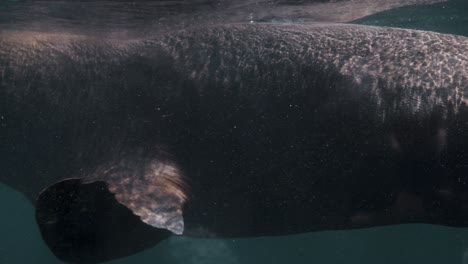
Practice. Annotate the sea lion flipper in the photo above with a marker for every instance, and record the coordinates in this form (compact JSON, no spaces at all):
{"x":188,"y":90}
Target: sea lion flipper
{"x":152,"y":188}
{"x":83,"y":222}
{"x":118,"y":210}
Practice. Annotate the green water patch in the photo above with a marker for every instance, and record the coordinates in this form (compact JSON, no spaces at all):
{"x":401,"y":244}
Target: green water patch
{"x":448,"y":17}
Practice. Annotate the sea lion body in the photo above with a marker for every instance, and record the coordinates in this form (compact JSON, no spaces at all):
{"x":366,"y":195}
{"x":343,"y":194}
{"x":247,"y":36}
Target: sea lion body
{"x":261,"y":129}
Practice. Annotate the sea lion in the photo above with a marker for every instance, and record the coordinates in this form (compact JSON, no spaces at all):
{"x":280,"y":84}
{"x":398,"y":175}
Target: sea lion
{"x":231,"y":130}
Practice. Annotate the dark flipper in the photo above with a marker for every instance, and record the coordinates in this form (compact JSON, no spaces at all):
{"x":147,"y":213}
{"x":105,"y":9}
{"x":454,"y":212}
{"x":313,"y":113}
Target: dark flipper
{"x":84,"y":223}
{"x":120,"y":209}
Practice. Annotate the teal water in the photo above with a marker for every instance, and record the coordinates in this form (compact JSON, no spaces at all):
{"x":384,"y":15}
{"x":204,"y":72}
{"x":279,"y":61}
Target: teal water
{"x":448,"y":17}
{"x":20,"y":242}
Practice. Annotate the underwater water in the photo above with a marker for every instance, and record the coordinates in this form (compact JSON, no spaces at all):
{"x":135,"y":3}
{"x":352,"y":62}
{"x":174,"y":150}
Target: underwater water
{"x":447,"y":17}
{"x":20,"y":241}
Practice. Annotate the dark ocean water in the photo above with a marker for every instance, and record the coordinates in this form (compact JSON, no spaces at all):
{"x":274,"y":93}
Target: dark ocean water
{"x":20,"y":241}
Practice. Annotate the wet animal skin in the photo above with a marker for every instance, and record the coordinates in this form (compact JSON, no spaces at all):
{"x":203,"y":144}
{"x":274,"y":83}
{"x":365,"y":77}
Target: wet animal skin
{"x":232,"y":130}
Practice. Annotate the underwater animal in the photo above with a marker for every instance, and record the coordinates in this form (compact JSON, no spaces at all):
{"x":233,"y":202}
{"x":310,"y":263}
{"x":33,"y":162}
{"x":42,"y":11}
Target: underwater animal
{"x":232,"y":130}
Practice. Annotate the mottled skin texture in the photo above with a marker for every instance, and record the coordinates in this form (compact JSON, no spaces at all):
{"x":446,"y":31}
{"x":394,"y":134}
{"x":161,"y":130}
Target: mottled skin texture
{"x":327,"y":126}
{"x":274,"y":128}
